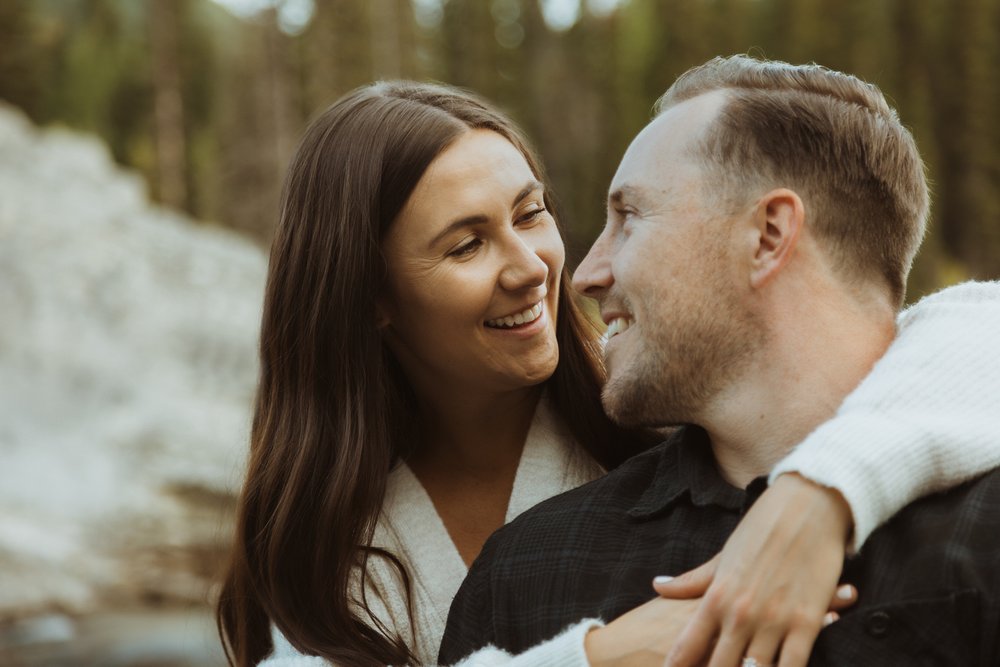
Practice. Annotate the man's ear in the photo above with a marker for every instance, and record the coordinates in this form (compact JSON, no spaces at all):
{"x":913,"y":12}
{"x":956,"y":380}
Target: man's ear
{"x":777,"y":221}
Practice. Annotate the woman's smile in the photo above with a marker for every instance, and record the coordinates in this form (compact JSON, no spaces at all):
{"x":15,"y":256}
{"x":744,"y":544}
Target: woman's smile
{"x":519,"y":320}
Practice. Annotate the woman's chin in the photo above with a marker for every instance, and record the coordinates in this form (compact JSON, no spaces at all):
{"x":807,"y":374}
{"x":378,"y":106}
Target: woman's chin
{"x":534,"y":374}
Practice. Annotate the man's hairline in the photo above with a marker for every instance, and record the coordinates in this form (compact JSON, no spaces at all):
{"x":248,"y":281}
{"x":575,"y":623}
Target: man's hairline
{"x":695,"y":148}
{"x":727,"y":182}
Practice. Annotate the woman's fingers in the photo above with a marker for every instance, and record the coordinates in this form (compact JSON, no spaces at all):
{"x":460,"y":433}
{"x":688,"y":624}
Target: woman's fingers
{"x":844,"y":597}
{"x":729,"y":651}
{"x":640,"y":637}
{"x":766,"y":647}
{"x":773,"y":581}
{"x":763,"y":648}
{"x":797,"y":646}
{"x":696,"y":641}
{"x":691,"y":584}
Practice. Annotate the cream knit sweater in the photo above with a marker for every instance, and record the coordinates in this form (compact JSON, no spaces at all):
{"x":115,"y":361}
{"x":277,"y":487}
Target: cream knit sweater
{"x":925,"y":419}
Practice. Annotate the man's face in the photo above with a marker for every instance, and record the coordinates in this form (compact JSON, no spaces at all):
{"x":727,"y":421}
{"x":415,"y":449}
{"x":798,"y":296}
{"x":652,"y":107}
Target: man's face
{"x":667,"y":275}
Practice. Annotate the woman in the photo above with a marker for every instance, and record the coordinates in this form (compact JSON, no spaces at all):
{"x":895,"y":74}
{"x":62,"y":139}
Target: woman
{"x":425,"y":376}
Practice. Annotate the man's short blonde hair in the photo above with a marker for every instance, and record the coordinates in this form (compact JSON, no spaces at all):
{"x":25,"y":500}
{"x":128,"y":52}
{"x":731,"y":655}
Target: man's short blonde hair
{"x":829,"y":136}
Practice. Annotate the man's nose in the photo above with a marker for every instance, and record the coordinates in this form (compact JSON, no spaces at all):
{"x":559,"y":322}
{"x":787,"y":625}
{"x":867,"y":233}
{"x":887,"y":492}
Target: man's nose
{"x":593,"y":276}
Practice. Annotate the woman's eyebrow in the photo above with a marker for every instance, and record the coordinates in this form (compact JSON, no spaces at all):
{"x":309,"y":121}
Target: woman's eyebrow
{"x":469,"y":221}
{"x":472,"y":220}
{"x":527,"y":190}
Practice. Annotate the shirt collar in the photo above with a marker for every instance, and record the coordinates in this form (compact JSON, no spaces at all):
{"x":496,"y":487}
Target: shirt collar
{"x":687,"y":467}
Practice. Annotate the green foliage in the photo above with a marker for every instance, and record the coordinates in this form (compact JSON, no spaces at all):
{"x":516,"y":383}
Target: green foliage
{"x":582,"y":93}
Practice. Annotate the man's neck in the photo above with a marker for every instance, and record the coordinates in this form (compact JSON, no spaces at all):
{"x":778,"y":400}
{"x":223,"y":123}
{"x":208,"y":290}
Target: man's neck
{"x":811,"y":362}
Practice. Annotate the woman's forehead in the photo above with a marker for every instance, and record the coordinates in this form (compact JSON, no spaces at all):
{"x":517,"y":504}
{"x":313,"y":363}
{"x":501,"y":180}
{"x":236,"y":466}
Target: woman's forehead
{"x":477,"y":154}
{"x":479,"y":171}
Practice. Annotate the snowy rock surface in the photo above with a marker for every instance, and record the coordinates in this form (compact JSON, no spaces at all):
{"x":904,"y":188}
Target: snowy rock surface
{"x":127,"y":367}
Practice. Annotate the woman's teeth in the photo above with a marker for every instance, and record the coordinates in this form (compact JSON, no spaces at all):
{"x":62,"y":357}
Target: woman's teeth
{"x":524,"y":317}
{"x":617,"y":326}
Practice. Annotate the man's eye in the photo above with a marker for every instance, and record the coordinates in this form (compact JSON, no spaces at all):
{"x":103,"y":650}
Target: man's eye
{"x":466,"y":248}
{"x":627,"y":216}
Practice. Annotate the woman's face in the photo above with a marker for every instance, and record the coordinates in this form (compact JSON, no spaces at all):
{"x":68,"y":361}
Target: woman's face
{"x":474,"y":262}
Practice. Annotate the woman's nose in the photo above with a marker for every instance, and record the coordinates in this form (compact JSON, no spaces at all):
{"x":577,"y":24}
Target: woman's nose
{"x":523,"y":267}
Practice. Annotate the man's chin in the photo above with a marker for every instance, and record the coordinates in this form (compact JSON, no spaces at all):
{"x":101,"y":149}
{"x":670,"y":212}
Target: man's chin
{"x":629,"y":407}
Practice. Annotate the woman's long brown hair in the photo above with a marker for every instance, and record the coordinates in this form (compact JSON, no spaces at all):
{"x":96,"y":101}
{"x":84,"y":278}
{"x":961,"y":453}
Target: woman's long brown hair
{"x":332,"y":404}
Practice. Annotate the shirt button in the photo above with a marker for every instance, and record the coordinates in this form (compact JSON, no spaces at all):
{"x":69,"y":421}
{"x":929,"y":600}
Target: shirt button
{"x":877,"y":624}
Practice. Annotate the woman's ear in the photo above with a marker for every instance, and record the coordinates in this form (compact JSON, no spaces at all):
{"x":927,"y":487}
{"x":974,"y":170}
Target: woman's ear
{"x":381,"y":315}
{"x":777,"y":221}
{"x":383,"y":309}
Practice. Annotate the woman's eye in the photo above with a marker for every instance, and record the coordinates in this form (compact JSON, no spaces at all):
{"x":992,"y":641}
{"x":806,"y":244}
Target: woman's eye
{"x":531,"y":215}
{"x":466,"y":248}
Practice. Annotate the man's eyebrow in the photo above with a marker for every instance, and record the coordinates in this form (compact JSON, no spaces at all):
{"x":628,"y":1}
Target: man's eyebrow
{"x":473,"y":220}
{"x":618,"y":195}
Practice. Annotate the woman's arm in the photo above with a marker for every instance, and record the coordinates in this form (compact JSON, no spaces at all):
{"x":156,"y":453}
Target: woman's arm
{"x":564,"y":650}
{"x":640,"y":637}
{"x":926,"y":417}
{"x":924,"y":420}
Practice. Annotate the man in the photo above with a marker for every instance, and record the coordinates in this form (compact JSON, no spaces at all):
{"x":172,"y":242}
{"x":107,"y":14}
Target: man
{"x":748,"y":323}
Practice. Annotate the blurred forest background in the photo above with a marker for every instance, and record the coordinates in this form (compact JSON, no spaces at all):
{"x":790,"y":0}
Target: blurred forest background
{"x":207,"y":98}
{"x":132,"y":266}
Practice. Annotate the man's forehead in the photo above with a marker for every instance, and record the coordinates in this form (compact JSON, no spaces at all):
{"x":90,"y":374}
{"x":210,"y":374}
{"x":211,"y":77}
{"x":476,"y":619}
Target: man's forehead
{"x":662,"y":150}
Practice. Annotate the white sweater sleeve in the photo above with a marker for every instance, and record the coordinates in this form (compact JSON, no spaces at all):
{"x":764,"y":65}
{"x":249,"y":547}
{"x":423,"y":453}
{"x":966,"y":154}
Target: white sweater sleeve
{"x":564,"y":650}
{"x":285,"y":655}
{"x":927,"y":417}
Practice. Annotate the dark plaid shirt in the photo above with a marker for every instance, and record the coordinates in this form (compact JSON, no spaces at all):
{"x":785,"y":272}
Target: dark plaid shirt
{"x":929,"y":580}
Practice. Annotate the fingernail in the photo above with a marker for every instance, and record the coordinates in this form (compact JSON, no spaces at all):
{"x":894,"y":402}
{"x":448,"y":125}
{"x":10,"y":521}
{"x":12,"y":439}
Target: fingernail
{"x":830,"y":618}
{"x":662,"y":579}
{"x":845,"y":592}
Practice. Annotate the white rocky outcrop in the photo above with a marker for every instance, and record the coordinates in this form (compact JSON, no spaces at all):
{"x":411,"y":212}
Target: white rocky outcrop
{"x":127,"y":367}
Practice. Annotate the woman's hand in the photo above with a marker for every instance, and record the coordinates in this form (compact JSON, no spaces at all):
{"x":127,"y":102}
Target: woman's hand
{"x":767,"y":594}
{"x":643,"y":636}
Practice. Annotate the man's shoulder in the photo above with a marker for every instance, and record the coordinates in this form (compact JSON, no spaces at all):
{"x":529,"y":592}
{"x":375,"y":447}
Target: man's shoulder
{"x":943,"y":541}
{"x":977,"y":497}
{"x":930,"y":585}
{"x":966,"y":514}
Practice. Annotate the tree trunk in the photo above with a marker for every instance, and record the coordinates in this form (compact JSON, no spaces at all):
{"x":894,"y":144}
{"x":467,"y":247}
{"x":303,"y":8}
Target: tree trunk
{"x":168,"y":104}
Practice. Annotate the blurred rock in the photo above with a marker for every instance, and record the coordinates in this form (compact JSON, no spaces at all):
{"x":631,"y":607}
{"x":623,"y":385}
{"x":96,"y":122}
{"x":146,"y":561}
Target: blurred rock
{"x":127,"y":367}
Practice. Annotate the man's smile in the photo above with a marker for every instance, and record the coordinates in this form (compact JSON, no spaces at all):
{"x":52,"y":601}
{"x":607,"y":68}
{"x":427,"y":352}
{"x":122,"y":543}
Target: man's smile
{"x":616,"y":326}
